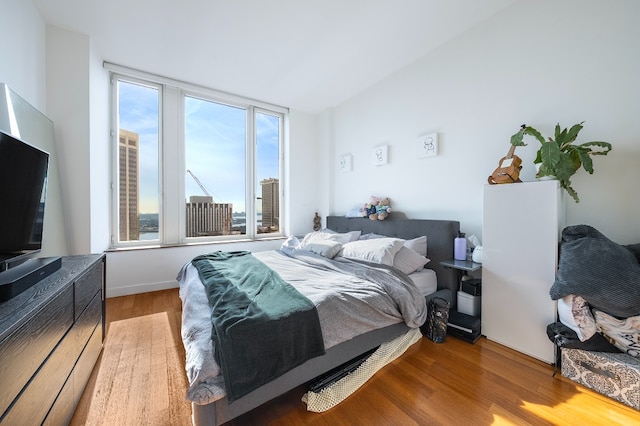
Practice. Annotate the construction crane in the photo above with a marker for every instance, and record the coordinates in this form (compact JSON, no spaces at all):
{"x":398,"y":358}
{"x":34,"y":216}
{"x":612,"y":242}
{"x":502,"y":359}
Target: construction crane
{"x":199,"y":184}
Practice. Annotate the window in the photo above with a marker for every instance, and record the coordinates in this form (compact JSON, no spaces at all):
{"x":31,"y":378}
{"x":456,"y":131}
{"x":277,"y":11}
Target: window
{"x":138,"y":107}
{"x":193,"y":164}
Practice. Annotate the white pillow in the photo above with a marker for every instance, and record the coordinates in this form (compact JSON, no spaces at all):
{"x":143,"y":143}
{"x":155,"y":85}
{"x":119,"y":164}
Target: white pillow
{"x":321,"y":235}
{"x":291,"y":242}
{"x":326,"y":248}
{"x":408,"y":261}
{"x":574,"y":312}
{"x":353,"y":235}
{"x":371,"y":236}
{"x":378,"y":250}
{"x":419,"y":245}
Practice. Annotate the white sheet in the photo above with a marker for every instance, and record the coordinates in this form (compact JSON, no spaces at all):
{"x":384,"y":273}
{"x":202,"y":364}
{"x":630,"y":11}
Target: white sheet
{"x":425,"y":280}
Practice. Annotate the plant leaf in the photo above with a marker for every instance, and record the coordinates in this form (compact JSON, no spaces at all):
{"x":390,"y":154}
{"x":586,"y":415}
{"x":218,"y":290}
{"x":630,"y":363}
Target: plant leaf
{"x":533,"y":132}
{"x":571,"y":191}
{"x":549,"y":154}
{"x":573,"y":133}
{"x":606,"y":147}
{"x":587,"y":162}
{"x":562,"y":138}
{"x":538,"y":159}
{"x":516,"y":139}
{"x":566,"y":166}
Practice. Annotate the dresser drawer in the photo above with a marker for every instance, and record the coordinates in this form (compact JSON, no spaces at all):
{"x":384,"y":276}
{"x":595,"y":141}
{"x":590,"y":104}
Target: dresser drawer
{"x":62,"y":410}
{"x":87,"y":322}
{"x":41,"y":391}
{"x":86,"y":287}
{"x":86,"y":363}
{"x":22,"y":352}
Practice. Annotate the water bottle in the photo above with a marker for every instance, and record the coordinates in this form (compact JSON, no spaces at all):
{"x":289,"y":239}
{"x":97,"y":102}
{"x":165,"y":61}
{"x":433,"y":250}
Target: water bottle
{"x":460,"y":247}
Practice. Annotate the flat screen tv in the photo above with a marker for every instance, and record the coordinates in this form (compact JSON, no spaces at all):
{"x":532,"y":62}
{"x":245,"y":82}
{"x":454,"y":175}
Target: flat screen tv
{"x":23,"y":184}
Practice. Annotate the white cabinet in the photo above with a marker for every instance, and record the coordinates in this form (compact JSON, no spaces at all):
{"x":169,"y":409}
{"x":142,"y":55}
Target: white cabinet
{"x":521,"y":227}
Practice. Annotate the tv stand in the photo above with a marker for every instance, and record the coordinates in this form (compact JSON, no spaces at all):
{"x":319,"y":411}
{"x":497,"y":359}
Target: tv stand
{"x":17,"y":279}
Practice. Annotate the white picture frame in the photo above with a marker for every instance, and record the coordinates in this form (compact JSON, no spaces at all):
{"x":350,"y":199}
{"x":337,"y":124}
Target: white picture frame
{"x":380,"y":155}
{"x":427,"y":145}
{"x":345,"y":163}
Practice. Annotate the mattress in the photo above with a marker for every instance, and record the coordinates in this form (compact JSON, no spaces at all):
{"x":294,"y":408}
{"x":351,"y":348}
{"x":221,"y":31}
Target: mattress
{"x":425,"y":280}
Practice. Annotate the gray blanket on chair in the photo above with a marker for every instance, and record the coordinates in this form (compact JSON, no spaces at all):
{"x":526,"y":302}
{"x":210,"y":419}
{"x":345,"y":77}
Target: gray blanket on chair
{"x":262,"y":326}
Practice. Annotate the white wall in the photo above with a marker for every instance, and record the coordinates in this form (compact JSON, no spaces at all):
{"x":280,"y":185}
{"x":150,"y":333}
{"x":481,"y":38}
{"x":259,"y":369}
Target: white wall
{"x":537,"y":63}
{"x":68,"y":77}
{"x":99,"y":153}
{"x":22,"y":49}
{"x":302,"y":174}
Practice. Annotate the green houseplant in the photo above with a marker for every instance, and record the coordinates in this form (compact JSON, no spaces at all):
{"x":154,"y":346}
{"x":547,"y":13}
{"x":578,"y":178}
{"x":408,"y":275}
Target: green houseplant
{"x":559,"y":156}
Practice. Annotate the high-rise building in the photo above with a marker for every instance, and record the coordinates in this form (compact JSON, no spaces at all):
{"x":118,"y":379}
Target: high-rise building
{"x":206,"y":218}
{"x":129,"y":202}
{"x":270,"y":203}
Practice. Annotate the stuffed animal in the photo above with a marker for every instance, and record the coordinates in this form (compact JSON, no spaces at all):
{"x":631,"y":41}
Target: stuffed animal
{"x":371,"y":207}
{"x":378,"y":208}
{"x":383,"y":208}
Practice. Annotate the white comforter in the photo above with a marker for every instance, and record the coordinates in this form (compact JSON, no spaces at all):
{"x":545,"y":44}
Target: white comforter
{"x":347,"y":306}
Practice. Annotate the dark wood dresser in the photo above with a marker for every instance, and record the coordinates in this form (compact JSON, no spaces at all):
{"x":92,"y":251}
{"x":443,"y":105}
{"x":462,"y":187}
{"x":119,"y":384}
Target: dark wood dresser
{"x":50,"y":338}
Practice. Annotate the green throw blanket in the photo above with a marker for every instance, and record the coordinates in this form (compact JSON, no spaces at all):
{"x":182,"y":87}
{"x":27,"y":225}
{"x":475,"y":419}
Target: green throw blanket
{"x":262,"y":326}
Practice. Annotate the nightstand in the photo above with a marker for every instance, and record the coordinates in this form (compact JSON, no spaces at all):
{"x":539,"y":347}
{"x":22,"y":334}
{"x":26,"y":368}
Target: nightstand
{"x":463,"y":267}
{"x":464,"y":322}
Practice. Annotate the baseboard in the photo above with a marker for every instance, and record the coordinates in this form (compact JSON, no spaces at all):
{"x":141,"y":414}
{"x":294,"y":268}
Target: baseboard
{"x":139,"y":288}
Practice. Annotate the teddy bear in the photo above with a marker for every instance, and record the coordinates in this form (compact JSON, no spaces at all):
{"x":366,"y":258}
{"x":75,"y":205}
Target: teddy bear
{"x":371,"y":207}
{"x":377,"y":208}
{"x":383,"y":208}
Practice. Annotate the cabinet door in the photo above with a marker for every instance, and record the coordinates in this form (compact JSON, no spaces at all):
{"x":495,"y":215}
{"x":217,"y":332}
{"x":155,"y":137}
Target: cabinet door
{"x":521,"y":228}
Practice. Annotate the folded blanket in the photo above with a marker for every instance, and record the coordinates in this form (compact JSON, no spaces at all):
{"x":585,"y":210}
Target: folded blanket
{"x":262,"y":326}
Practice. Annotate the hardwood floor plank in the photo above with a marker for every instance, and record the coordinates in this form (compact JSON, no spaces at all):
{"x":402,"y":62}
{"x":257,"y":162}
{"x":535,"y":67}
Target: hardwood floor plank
{"x":139,"y":379}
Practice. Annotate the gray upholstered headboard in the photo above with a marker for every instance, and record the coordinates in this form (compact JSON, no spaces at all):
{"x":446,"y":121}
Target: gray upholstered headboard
{"x":440,"y":235}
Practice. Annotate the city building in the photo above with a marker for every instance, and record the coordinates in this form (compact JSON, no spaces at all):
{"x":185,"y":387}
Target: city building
{"x":270,"y":204}
{"x":129,"y":202}
{"x":205,"y":218}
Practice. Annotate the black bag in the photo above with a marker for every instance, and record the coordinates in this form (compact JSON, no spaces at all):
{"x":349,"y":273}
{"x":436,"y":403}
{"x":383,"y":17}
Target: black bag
{"x":437,"y":318}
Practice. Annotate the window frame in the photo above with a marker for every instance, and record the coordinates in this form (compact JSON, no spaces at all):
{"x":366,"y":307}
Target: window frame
{"x":172,"y":167}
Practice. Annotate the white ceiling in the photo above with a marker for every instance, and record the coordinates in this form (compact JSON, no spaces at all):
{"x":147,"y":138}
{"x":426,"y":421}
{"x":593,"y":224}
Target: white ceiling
{"x":295,"y":53}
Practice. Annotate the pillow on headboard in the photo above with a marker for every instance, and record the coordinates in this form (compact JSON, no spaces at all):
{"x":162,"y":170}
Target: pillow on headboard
{"x":353,"y":235}
{"x":377,"y":250}
{"x":419,"y":244}
{"x":408,"y":261}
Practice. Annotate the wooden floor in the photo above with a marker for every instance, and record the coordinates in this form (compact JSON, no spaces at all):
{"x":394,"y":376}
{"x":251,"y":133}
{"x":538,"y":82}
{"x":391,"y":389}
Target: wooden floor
{"x":140,"y":380}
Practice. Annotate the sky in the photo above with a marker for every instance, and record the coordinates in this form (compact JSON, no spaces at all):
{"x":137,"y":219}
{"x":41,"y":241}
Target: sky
{"x":215,"y":136}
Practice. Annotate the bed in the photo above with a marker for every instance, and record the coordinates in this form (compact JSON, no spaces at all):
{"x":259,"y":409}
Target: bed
{"x":217,"y":409}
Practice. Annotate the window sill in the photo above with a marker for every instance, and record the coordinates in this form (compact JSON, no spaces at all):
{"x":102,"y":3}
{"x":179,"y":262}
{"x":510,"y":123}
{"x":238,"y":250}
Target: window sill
{"x":193,"y":244}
